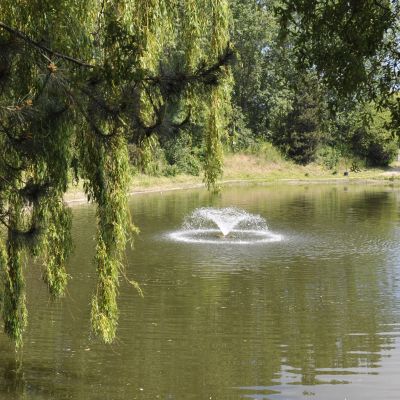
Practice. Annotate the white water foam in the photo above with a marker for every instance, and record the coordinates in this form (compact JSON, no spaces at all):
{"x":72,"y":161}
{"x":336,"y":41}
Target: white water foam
{"x":224,"y":226}
{"x":211,"y":236}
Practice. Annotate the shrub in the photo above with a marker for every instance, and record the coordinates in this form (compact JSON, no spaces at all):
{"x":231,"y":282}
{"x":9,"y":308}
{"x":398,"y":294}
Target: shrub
{"x":266,"y":150}
{"x":372,"y":138}
{"x":329,"y":157}
{"x":182,"y":155}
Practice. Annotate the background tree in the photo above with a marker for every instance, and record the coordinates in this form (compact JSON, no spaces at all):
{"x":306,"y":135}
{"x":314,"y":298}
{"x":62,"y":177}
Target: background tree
{"x":353,"y":46}
{"x":300,"y":132}
{"x":263,"y":71}
{"x":273,"y":100}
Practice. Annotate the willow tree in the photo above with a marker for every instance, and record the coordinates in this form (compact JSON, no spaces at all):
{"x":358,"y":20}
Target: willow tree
{"x":77,"y":81}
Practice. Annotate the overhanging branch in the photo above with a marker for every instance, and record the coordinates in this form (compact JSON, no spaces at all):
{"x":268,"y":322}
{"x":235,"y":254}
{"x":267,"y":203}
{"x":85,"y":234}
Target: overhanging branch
{"x":40,"y":46}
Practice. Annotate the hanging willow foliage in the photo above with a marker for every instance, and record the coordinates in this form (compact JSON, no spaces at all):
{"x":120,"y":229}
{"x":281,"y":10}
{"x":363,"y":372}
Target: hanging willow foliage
{"x":219,"y":101}
{"x":133,"y":71}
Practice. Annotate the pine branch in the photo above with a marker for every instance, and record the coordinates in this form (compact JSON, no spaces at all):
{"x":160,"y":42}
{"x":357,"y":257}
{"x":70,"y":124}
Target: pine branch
{"x":204,"y":74}
{"x":40,"y":46}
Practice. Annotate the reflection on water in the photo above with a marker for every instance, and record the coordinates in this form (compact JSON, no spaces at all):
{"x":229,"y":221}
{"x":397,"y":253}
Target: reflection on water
{"x":316,"y":315}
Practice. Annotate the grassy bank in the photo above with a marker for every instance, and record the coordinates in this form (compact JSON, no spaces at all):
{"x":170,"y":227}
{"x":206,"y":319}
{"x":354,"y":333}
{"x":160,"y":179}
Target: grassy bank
{"x":256,"y":168}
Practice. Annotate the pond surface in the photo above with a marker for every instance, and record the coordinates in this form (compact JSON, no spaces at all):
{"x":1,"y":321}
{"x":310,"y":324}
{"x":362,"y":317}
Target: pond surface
{"x":313,"y":316}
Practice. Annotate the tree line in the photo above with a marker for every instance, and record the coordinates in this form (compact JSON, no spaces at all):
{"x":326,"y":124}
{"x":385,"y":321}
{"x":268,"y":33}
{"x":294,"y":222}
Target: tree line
{"x":316,"y":77}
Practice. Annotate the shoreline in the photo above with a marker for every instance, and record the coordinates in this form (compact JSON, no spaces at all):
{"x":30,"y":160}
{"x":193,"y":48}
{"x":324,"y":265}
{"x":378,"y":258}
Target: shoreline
{"x":253,"y":169}
{"x":77,"y":197}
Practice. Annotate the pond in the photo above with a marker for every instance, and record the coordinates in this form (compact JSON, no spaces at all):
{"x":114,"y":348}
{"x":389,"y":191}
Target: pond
{"x":315,"y":315}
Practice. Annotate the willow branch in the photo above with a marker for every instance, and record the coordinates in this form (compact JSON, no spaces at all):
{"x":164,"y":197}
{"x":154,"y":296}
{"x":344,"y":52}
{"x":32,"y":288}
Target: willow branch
{"x":40,"y":46}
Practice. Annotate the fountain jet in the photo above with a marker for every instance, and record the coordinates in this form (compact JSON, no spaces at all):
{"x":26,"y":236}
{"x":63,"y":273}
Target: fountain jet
{"x":225,"y":219}
{"x":224,"y":225}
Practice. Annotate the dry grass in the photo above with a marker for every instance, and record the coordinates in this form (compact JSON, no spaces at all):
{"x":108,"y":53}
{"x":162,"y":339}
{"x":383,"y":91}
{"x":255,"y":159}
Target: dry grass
{"x":257,"y":168}
{"x":250,"y":166}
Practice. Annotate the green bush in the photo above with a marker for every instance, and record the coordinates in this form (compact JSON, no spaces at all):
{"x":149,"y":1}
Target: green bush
{"x":372,"y":138}
{"x":266,"y":150}
{"x":329,"y":157}
{"x":382,"y":153}
{"x":171,"y":170}
{"x":183,"y":155}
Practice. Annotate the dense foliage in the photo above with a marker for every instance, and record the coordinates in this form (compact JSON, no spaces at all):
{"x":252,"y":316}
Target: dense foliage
{"x":351,"y":49}
{"x":353,"y":45}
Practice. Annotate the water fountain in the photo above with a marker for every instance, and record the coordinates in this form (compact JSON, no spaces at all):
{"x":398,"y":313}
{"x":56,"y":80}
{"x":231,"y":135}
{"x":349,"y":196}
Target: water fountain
{"x":224,"y":226}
